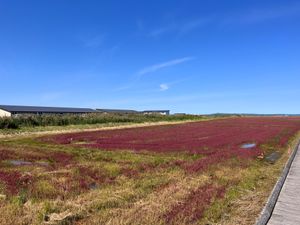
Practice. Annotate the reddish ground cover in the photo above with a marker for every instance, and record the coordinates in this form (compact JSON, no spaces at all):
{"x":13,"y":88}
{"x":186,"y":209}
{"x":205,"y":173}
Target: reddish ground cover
{"x":30,"y":155}
{"x":222,"y":136}
{"x":54,"y":172}
{"x":15,"y":179}
{"x":194,"y":205}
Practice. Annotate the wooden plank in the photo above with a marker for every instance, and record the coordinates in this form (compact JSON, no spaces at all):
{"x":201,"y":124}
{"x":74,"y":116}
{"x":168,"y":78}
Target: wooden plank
{"x":287,"y":208}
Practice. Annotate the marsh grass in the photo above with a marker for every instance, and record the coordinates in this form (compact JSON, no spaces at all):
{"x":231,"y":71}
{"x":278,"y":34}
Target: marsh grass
{"x":125,"y":187}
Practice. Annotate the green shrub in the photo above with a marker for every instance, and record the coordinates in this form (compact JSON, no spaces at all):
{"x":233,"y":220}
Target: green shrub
{"x":93,"y":118}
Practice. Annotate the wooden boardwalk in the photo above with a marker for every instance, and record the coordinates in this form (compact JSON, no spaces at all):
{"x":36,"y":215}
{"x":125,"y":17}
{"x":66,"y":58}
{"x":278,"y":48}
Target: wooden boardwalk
{"x":287,"y":208}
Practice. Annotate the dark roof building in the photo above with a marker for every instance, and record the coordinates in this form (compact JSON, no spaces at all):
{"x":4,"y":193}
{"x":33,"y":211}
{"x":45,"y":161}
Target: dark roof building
{"x":127,"y":111}
{"x":10,"y":110}
{"x":119,"y":111}
{"x":14,"y":109}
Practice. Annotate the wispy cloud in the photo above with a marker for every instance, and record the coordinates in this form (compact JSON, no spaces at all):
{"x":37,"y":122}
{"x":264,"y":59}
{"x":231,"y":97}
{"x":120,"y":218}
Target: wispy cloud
{"x":254,"y":16}
{"x":136,"y":78}
{"x":193,"y":24}
{"x":107,"y":52}
{"x":93,"y":42}
{"x":163,"y":30}
{"x":163,"y":87}
{"x":167,"y":86}
{"x":269,"y":14}
{"x":156,"y":67}
{"x":250,"y":16}
{"x":180,"y":28}
{"x":123,"y":88}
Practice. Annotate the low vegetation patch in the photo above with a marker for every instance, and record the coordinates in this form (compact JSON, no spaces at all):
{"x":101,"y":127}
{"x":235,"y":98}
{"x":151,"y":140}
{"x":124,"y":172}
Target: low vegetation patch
{"x":93,"y":118}
{"x":192,"y":173}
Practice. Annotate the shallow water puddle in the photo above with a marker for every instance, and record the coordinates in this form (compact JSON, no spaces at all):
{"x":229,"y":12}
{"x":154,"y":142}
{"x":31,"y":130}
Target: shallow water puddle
{"x":82,"y":142}
{"x":248,"y":145}
{"x":26,"y":163}
{"x":19,"y":162}
{"x":273,"y":157}
{"x":93,"y":186}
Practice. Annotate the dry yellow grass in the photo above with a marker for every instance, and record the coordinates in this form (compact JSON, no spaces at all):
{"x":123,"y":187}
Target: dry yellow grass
{"x":155,"y":205}
{"x":81,"y":128}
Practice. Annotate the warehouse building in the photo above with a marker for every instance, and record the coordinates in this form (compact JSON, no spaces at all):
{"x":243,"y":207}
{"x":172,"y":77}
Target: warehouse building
{"x":14,"y":110}
{"x":128,"y":111}
{"x":160,"y":112}
{"x":118,"y":111}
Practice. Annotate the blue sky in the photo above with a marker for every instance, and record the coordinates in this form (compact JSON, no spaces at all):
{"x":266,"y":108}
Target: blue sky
{"x":190,"y":56}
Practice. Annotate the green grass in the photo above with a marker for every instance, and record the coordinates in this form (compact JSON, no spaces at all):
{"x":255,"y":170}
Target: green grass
{"x":26,"y":121}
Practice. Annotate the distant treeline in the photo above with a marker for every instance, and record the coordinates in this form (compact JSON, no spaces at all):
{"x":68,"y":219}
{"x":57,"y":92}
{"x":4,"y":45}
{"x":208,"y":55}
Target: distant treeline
{"x":72,"y":119}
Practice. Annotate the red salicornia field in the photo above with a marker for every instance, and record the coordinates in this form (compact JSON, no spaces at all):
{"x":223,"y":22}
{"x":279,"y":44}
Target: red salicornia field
{"x":217,"y":171}
{"x":218,"y":140}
